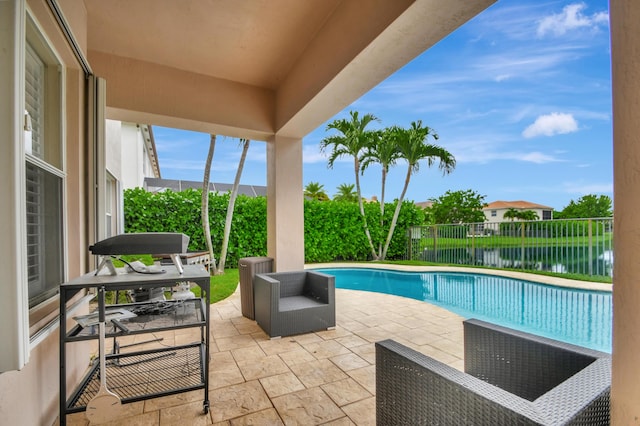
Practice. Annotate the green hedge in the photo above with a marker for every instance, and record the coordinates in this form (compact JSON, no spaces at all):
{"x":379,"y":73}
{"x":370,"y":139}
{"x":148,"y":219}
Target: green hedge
{"x":333,"y":230}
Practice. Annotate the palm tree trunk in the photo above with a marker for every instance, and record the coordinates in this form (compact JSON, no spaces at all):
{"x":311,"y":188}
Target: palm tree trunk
{"x":205,"y":205}
{"x":384,"y":182}
{"x":356,"y":165}
{"x":396,"y":213}
{"x":231,"y":206}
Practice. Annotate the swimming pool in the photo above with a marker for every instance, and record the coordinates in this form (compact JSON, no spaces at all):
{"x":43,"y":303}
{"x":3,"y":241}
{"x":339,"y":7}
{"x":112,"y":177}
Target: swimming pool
{"x":582,"y":317}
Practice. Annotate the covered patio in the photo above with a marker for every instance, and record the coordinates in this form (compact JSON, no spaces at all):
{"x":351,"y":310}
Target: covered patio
{"x":269,"y":71}
{"x":326,"y":377}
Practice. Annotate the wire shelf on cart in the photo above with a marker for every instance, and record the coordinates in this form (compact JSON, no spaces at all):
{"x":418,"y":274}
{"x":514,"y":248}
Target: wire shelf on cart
{"x":156,"y":316}
{"x":146,"y":374}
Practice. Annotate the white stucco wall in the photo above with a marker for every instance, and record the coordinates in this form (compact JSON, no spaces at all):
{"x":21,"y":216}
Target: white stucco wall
{"x":132,"y":156}
{"x":114,"y":148}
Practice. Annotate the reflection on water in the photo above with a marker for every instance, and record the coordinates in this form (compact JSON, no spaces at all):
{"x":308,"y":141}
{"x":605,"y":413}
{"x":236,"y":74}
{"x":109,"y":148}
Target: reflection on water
{"x":596,"y":260}
{"x":576,"y":316}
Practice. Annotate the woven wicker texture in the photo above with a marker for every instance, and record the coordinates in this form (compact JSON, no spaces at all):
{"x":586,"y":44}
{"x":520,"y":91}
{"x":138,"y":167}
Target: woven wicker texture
{"x":511,"y":378}
{"x":249,"y":267}
{"x":288,"y":303}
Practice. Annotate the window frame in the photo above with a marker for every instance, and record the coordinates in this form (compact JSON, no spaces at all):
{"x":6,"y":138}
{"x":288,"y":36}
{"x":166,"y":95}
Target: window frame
{"x":44,"y":311}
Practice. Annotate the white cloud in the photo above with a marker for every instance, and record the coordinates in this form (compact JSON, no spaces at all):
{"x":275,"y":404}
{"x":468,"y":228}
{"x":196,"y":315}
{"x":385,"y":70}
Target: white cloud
{"x":484,"y":151}
{"x":571,"y":18}
{"x":312,"y":154}
{"x":537,"y":157}
{"x":490,"y":156}
{"x":551,"y":124}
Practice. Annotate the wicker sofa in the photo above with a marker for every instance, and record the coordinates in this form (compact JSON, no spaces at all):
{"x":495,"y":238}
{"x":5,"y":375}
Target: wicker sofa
{"x":510,"y":377}
{"x":297,"y":302}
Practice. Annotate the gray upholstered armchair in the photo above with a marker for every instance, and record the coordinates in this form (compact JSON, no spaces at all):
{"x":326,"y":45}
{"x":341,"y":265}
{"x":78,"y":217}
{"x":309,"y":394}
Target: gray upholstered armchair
{"x":511,"y":378}
{"x":288,"y":303}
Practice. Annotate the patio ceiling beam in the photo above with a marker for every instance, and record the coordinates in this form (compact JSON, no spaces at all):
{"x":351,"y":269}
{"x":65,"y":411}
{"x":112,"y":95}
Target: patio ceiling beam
{"x":145,"y":92}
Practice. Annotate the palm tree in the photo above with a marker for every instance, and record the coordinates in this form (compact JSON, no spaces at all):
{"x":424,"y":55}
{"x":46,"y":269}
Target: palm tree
{"x":315,"y":191}
{"x":205,"y":205}
{"x":346,"y":193}
{"x":384,"y":151}
{"x":352,"y":139}
{"x":413,"y":148}
{"x":232,"y":202}
{"x":528,"y":215}
{"x":511,"y":213}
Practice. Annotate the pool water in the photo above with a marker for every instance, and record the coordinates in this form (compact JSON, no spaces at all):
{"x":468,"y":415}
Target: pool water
{"x":581,"y":317}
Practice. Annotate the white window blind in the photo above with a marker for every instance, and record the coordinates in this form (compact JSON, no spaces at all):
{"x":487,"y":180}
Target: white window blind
{"x":34,"y":99}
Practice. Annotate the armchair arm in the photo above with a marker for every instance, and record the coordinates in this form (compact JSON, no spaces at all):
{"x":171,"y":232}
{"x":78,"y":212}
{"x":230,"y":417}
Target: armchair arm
{"x":513,"y":360}
{"x":266,"y":291}
{"x":582,"y":399}
{"x":412,"y":388}
{"x":321,"y":287}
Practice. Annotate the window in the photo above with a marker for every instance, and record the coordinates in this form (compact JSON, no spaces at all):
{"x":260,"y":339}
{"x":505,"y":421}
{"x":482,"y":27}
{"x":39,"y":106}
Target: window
{"x":546,"y":214}
{"x":494,"y":213}
{"x":44,"y":177}
{"x":111,"y":206}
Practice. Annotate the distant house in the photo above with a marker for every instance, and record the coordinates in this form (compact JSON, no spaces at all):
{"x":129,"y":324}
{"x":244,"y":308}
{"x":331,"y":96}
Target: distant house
{"x":494,"y":212}
{"x":130,"y":157}
{"x":424,"y":204}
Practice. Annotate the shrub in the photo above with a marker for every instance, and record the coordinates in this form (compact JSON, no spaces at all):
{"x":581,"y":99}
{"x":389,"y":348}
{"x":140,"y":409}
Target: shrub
{"x":333,"y":230}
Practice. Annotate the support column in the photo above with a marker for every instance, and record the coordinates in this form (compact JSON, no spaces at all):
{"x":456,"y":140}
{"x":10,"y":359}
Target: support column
{"x":285,"y":203}
{"x":625,"y":59}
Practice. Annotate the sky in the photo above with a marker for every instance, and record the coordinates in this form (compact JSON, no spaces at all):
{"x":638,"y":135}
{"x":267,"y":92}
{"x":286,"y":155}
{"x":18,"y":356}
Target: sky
{"x":520,"y":95}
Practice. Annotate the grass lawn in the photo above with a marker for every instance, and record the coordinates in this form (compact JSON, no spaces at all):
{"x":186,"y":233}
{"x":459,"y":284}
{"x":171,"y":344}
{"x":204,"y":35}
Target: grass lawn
{"x":499,"y":241}
{"x":222,"y":286}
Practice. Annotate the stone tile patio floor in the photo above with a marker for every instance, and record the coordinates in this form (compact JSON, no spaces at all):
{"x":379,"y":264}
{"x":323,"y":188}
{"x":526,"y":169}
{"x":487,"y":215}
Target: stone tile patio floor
{"x":322,"y":378}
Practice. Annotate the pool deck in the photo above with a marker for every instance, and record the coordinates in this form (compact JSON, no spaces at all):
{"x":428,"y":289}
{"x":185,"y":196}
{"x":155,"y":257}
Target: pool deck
{"x":326,"y":377}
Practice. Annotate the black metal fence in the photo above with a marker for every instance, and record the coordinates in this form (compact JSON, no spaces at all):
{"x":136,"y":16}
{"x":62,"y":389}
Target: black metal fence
{"x":574,"y":246}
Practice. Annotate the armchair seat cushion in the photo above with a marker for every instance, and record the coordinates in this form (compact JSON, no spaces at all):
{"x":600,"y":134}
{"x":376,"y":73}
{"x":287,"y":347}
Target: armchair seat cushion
{"x":293,"y":303}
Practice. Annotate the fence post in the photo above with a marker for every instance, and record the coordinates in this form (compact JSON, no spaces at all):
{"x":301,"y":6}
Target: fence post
{"x":590,"y":233}
{"x":410,"y":243}
{"x":473,"y":245}
{"x":435,"y":243}
{"x":522,"y":245}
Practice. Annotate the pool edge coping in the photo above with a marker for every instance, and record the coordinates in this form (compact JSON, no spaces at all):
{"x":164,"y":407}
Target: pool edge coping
{"x":543,"y":279}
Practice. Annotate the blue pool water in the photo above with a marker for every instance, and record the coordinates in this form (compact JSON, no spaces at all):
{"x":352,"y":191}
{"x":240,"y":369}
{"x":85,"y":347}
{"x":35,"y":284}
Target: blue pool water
{"x":580,"y":317}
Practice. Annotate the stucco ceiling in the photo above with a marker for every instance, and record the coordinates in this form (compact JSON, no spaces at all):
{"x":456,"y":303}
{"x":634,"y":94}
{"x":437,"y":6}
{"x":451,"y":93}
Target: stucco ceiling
{"x":251,"y":42}
{"x":253,"y":68}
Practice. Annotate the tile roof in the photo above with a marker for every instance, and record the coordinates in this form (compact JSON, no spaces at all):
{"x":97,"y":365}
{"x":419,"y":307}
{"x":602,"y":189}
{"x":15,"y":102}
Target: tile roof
{"x":496,"y":205}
